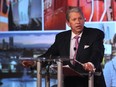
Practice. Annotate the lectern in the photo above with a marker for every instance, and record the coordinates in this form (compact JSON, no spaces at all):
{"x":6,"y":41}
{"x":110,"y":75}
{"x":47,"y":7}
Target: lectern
{"x":60,"y":67}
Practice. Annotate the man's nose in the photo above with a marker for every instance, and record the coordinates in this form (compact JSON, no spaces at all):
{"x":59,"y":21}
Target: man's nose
{"x":77,"y":21}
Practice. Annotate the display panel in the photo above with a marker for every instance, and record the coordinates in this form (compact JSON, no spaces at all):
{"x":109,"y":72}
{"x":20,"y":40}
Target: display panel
{"x":20,"y":15}
{"x":14,"y":46}
{"x":44,"y":15}
{"x":28,"y":27}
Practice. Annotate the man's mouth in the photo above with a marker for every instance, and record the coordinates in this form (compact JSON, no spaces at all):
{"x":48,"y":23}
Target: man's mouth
{"x":78,"y":26}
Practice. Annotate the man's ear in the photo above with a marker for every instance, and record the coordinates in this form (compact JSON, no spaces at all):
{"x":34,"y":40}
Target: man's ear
{"x":68,"y":23}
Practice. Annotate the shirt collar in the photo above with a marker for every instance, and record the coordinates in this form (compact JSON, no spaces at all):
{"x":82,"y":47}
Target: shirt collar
{"x":73,"y":35}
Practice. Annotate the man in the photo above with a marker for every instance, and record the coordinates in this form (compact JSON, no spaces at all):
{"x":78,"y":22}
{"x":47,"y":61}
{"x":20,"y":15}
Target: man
{"x":90,"y":50}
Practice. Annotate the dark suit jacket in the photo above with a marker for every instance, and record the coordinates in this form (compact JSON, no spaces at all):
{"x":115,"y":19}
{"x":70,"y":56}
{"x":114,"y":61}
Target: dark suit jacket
{"x":92,"y":39}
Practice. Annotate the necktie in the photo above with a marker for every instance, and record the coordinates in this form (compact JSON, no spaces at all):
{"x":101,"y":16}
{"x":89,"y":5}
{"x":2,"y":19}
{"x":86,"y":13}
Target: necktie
{"x":75,"y":48}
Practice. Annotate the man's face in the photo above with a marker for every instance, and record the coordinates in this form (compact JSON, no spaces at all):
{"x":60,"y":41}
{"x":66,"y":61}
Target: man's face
{"x":76,"y":22}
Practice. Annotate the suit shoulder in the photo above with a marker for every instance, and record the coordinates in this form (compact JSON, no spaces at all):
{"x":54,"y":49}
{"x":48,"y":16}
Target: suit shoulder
{"x":99,"y":32}
{"x":95,"y":30}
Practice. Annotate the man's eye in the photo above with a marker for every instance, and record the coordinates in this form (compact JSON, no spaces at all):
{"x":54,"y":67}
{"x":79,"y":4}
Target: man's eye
{"x":80,"y":18}
{"x":74,"y":19}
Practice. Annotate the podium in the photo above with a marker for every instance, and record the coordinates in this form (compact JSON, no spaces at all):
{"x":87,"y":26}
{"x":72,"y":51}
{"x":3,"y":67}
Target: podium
{"x":60,"y":71}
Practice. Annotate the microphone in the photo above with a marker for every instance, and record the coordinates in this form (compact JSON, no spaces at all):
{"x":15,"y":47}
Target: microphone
{"x":75,"y":48}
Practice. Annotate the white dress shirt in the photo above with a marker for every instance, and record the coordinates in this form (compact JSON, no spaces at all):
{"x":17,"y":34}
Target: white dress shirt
{"x":72,"y":44}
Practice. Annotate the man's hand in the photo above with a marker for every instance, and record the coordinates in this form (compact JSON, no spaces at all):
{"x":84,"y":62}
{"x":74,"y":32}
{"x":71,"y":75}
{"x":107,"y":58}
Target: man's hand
{"x":28,"y":63}
{"x":89,"y":67}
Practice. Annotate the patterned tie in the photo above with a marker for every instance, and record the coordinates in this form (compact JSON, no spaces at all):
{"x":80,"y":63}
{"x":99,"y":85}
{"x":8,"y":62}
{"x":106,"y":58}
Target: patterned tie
{"x":75,"y":48}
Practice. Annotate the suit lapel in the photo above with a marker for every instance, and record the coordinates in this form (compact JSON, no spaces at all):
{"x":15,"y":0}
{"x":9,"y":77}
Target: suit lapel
{"x":68,"y":43}
{"x":82,"y":43}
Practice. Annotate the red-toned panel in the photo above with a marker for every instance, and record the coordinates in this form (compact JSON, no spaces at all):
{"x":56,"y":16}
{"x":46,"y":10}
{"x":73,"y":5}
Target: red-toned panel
{"x":86,"y":8}
{"x":98,"y":10}
{"x":54,"y":14}
{"x":114,"y":9}
{"x":73,"y":2}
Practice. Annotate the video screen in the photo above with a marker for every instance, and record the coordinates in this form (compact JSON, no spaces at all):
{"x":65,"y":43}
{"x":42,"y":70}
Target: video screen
{"x":15,"y":46}
{"x":48,"y":15}
{"x":28,"y":27}
{"x":20,"y":15}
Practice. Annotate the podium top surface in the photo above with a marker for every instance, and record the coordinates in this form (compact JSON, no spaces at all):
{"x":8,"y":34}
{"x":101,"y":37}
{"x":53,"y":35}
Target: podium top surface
{"x":45,"y":59}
